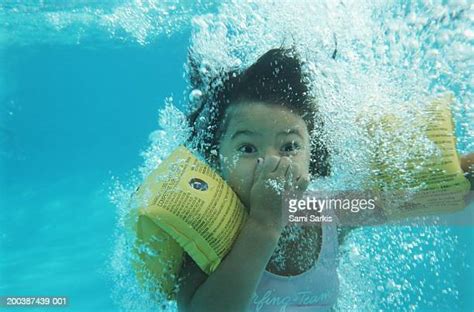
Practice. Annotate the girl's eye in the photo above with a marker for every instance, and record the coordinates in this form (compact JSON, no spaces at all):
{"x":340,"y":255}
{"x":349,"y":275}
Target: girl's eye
{"x":247,"y":148}
{"x":291,"y":147}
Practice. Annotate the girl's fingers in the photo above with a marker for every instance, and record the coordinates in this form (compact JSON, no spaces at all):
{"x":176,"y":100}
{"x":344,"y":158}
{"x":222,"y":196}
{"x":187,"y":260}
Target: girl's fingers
{"x":288,"y":173}
{"x":295,"y":172}
{"x":288,"y":170}
{"x":282,"y":170}
{"x":302,"y":183}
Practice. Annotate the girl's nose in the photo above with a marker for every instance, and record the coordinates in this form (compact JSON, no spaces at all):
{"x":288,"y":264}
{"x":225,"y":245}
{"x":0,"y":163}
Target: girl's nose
{"x":270,"y":152}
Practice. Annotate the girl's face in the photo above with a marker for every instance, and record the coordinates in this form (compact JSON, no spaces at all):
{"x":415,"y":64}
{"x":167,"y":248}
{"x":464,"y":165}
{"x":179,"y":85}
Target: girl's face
{"x":254,"y":130}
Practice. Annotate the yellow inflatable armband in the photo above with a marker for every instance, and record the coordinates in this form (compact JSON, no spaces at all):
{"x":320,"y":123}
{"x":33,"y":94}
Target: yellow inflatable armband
{"x":438,"y":179}
{"x":184,"y":206}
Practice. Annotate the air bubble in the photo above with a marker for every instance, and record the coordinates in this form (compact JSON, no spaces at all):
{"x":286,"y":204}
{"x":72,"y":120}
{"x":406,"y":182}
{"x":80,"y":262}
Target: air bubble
{"x":195,"y":95}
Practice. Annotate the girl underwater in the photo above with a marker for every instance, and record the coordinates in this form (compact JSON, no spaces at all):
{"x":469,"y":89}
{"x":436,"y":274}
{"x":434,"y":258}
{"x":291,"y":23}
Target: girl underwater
{"x":264,"y":127}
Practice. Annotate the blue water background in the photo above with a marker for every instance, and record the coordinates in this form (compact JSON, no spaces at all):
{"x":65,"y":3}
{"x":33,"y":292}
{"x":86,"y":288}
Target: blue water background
{"x":72,"y":117}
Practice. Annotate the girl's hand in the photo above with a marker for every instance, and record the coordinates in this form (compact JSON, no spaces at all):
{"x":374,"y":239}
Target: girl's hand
{"x":274,"y":176}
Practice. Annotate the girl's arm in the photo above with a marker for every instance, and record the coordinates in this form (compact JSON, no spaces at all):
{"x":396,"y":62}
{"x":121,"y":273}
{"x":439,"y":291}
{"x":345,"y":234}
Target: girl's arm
{"x":231,"y":286}
{"x":346,"y":218}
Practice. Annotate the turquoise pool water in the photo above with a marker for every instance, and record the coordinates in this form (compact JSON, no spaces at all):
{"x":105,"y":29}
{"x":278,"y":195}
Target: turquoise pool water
{"x":81,"y":86}
{"x":72,"y":118}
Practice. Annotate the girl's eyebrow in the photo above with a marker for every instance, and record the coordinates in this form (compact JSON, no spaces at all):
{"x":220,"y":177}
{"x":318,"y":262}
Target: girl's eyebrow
{"x":240,"y":132}
{"x":249,"y":132}
{"x":291,"y":131}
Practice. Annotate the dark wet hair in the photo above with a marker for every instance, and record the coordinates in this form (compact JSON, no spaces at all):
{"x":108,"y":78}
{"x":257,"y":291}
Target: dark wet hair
{"x":275,"y":78}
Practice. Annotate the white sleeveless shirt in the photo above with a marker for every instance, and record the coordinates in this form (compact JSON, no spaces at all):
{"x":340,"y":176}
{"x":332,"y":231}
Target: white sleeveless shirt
{"x":314,"y":290}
